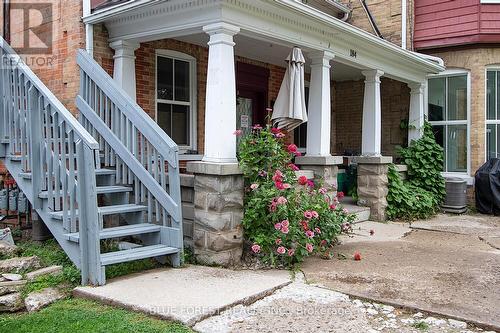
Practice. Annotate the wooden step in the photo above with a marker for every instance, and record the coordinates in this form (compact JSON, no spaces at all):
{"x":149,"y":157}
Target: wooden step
{"x":98,"y":172}
{"x":136,"y":254}
{"x":100,"y":190}
{"x":116,"y":232}
{"x":14,"y":158}
{"x":108,"y":210}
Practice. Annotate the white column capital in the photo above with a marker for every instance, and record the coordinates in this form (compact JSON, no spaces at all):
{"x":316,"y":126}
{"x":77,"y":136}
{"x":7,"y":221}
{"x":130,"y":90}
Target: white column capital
{"x":416,"y":87}
{"x":124,"y":65}
{"x":372,"y":75}
{"x":221,"y":33}
{"x":123,"y":48}
{"x":321,"y":58}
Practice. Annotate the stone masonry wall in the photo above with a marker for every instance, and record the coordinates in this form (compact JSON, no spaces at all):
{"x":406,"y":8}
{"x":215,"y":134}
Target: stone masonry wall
{"x":218,"y":202}
{"x":373,"y":189}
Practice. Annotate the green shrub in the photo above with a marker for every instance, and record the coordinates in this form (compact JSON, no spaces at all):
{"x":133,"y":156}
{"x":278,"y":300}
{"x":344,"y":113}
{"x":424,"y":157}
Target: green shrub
{"x":421,"y":194}
{"x":406,"y":201}
{"x":285,"y":218}
{"x":425,"y":159}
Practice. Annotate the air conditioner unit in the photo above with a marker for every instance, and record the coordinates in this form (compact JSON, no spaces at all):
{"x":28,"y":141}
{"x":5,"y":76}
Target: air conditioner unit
{"x":456,"y":196}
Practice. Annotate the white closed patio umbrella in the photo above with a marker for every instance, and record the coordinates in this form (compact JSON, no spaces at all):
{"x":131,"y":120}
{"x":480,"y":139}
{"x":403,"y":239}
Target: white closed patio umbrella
{"x":290,"y":106}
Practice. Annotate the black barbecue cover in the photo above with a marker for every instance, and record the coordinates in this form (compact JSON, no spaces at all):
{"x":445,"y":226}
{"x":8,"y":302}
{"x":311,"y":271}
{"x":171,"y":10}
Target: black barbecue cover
{"x":487,"y":183}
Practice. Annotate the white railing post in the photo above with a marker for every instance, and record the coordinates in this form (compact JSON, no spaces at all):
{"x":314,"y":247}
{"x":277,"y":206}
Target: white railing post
{"x":35,"y":142}
{"x":175,"y":192}
{"x":3,"y":115}
{"x":90,"y":259}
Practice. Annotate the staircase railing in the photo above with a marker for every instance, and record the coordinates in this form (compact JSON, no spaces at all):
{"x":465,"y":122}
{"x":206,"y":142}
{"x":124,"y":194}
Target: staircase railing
{"x":56,"y":149}
{"x":141,"y":152}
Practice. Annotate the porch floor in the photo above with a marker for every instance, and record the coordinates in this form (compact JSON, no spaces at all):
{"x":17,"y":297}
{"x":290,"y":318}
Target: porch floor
{"x":188,"y":294}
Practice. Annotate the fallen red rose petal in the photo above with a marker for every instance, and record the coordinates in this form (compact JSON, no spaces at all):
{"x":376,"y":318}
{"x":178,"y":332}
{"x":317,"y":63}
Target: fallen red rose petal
{"x":357,"y":256}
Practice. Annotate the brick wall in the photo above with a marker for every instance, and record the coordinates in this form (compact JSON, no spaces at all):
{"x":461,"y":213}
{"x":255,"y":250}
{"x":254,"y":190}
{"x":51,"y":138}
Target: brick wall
{"x":387,"y":16}
{"x":57,"y":70}
{"x":474,"y":60}
{"x":348,"y":111}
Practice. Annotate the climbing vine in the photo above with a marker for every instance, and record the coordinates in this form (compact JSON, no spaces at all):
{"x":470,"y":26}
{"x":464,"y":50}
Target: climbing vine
{"x":421,"y":194}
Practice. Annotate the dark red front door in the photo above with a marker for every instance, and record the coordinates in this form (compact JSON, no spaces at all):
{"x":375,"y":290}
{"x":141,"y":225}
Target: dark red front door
{"x":252,"y":88}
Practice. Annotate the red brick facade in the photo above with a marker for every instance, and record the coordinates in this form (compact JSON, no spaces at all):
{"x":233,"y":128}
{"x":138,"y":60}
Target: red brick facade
{"x":57,"y":70}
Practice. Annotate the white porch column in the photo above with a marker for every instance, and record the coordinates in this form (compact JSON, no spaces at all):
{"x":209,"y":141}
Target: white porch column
{"x":319,"y":115}
{"x":372,"y":115}
{"x":124,"y":67}
{"x":220,"y":102}
{"x":417,"y":108}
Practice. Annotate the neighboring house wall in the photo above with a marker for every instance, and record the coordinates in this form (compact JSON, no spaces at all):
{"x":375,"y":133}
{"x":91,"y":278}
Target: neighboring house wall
{"x":441,"y":23}
{"x":476,"y":61}
{"x":387,"y":16}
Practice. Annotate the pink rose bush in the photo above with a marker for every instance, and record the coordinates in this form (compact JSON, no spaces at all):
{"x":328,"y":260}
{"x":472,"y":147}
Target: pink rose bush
{"x":286,"y":218}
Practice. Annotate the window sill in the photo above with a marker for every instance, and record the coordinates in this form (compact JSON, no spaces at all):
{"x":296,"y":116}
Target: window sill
{"x":469,"y":179}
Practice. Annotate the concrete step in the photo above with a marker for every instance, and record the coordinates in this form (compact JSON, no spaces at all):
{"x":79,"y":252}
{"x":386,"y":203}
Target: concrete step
{"x":362,"y":213}
{"x":100,"y":190}
{"x":117,"y":232}
{"x":108,"y":210}
{"x":136,"y":254}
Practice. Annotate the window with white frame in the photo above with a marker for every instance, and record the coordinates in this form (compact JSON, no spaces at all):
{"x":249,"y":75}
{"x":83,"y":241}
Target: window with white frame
{"x":448,"y":112}
{"x":176,"y":97}
{"x":492,"y":113}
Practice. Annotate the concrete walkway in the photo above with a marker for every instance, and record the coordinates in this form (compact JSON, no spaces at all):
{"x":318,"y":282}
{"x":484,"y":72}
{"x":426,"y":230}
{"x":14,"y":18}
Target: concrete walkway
{"x":448,"y":268}
{"x":436,"y":280}
{"x":188,"y":294}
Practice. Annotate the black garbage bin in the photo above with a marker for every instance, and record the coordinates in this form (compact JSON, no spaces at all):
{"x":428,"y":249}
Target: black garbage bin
{"x":487,"y":186}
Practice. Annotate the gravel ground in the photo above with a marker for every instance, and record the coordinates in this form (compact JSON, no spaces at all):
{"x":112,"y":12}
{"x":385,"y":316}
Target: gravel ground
{"x":300,"y":307}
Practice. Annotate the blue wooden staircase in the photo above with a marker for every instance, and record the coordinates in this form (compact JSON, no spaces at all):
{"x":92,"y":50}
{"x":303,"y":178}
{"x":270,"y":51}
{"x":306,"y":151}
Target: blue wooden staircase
{"x":111,"y":174}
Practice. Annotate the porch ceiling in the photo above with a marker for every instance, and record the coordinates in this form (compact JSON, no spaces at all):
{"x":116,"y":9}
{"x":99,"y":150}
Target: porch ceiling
{"x":273,"y":53}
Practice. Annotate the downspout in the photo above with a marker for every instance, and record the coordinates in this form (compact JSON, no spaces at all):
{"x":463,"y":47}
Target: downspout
{"x":89,"y":28}
{"x":404,"y":17}
{"x":371,"y":19}
{"x":6,"y":21}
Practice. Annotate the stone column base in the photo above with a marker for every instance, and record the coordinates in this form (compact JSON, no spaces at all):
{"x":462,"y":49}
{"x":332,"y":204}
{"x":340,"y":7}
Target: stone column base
{"x":373,"y":185}
{"x":218,"y":211}
{"x":324,"y":167}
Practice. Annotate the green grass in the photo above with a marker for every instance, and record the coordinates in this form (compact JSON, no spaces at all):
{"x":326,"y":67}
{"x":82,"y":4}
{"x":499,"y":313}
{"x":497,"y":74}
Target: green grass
{"x":421,"y":325}
{"x":50,"y":253}
{"x":77,"y":315}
